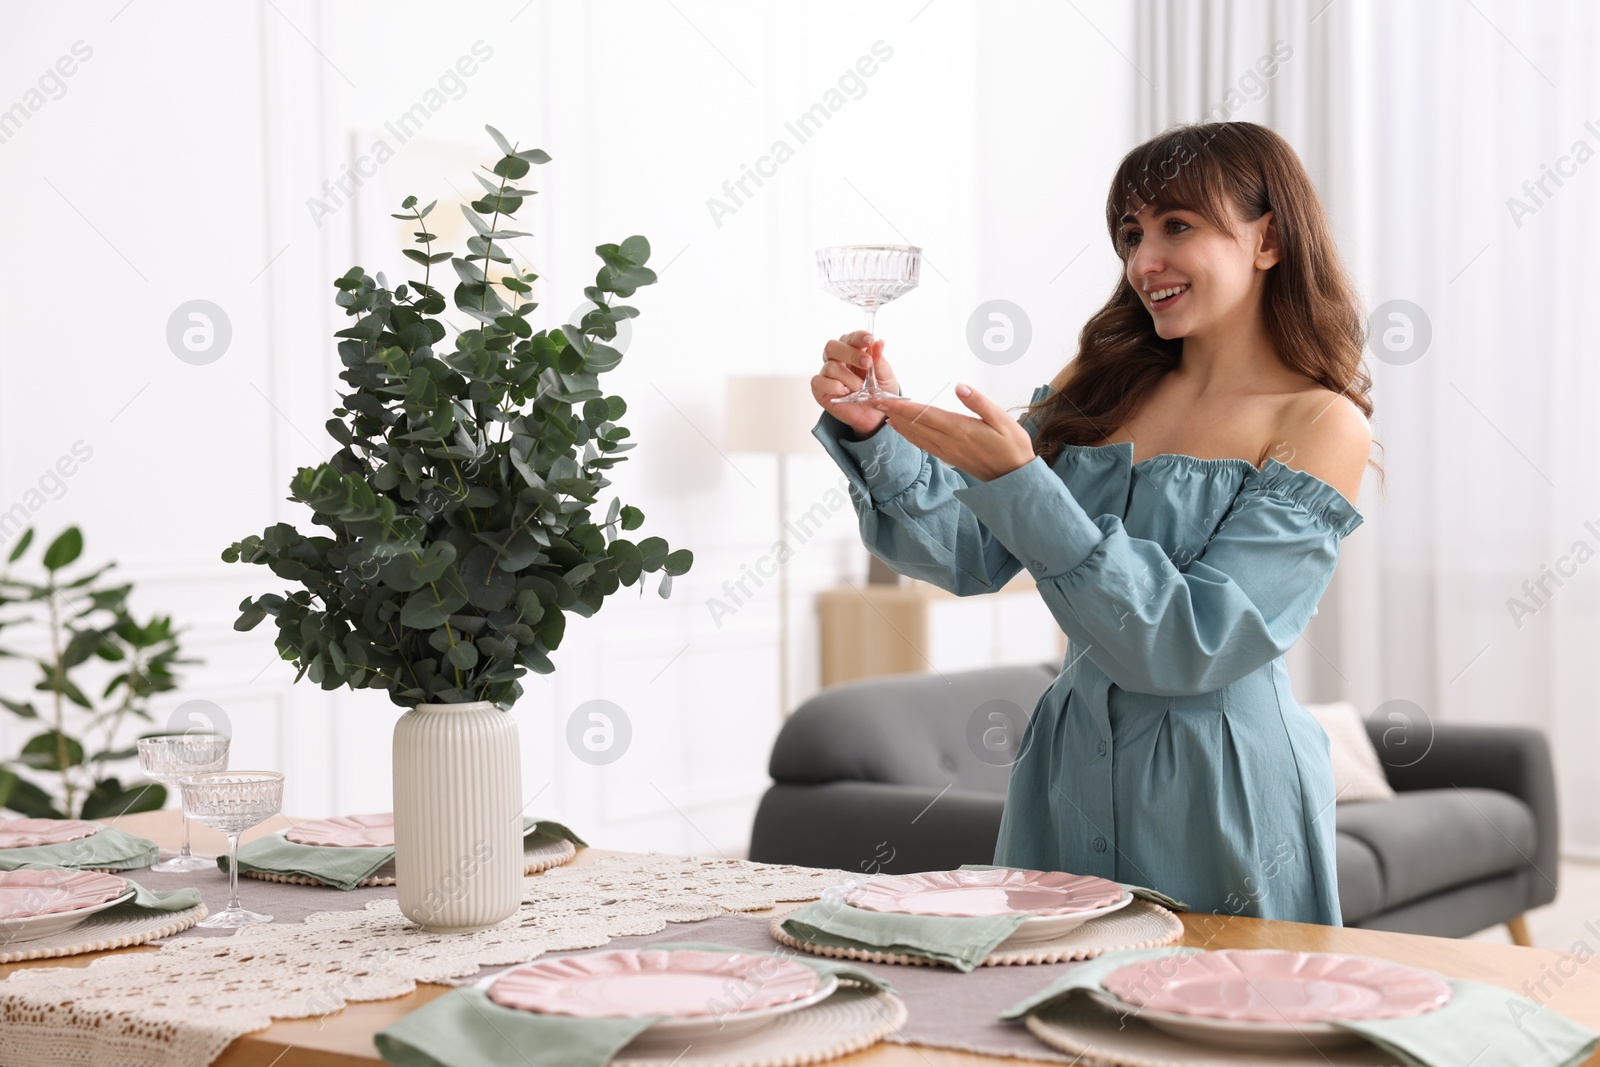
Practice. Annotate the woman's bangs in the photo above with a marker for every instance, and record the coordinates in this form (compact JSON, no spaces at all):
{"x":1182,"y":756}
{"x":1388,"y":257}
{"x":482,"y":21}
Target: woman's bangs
{"x":1170,"y":174}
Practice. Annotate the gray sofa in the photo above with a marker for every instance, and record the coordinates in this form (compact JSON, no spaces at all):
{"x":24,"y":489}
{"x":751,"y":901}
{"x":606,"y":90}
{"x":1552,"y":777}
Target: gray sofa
{"x":878,"y":776}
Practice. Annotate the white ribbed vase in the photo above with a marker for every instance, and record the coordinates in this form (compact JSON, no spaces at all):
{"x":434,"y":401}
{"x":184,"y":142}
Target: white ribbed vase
{"x":457,"y":816}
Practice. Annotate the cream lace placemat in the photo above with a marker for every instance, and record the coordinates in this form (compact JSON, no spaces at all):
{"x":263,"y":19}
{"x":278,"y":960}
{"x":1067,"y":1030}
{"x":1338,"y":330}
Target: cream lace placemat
{"x":183,"y":1005}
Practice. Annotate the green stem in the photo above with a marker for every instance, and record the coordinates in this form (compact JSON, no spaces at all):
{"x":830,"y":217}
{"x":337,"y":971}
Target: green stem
{"x":427,"y":268}
{"x":135,"y":671}
{"x":483,"y":304}
{"x":60,"y":710}
{"x":415,"y":681}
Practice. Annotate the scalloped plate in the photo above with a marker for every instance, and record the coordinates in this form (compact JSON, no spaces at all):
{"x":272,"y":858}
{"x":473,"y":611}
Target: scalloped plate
{"x":35,"y":904}
{"x":1267,"y":998}
{"x":973,"y":894}
{"x":1048,"y":927}
{"x":704,"y":994}
{"x":30,"y":833}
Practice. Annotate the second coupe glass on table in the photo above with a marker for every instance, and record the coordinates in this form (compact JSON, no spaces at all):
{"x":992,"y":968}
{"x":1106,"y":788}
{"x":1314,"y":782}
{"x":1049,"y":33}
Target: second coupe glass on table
{"x":167,"y":759}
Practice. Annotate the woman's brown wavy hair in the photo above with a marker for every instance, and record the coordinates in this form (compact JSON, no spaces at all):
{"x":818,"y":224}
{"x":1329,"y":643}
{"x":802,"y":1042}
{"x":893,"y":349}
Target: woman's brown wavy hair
{"x":1311,"y":310}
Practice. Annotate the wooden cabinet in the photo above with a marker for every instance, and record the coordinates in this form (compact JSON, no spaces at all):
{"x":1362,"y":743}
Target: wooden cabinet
{"x":871,"y":630}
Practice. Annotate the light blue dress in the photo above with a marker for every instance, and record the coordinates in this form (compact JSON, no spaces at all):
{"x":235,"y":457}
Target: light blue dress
{"x":1170,"y":751}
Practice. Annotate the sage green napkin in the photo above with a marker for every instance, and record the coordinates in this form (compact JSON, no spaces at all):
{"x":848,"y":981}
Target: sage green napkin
{"x":152,"y":899}
{"x":111,"y":848}
{"x":464,"y":1028}
{"x":960,"y":942}
{"x":550,"y":828}
{"x":1143,"y":892}
{"x":1481,"y":1026}
{"x":344,"y":868}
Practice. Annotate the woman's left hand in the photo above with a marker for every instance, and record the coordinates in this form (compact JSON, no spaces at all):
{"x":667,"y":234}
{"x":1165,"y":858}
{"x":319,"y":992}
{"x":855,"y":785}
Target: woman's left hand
{"x":986,"y":447}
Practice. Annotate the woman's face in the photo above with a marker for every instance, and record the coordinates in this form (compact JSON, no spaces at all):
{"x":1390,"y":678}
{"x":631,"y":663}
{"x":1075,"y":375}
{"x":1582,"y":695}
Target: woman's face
{"x":1221,"y":276}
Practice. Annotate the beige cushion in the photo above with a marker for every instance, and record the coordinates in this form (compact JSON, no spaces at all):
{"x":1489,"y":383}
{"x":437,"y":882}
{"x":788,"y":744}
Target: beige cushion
{"x":1357,"y":771}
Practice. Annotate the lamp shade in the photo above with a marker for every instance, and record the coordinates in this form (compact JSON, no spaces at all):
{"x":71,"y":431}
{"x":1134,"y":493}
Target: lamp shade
{"x":771,"y":413}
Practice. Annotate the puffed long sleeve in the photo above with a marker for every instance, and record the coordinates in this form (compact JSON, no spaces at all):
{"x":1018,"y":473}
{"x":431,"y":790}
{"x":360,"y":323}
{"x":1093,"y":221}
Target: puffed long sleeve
{"x":905,"y":501}
{"x":1150,"y":625}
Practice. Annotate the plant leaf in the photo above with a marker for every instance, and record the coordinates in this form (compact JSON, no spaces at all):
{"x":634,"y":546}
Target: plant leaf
{"x":43,"y":751}
{"x":16,"y":553}
{"x":64,"y":549}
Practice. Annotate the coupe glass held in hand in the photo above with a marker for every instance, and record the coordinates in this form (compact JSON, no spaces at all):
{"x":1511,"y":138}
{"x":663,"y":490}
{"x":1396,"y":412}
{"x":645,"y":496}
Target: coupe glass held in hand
{"x":233,"y":801}
{"x":167,"y":759}
{"x":869,"y":276}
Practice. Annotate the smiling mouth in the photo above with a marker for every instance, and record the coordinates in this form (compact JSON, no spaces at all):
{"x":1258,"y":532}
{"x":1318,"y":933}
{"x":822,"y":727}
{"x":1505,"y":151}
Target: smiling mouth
{"x":1162,"y":305}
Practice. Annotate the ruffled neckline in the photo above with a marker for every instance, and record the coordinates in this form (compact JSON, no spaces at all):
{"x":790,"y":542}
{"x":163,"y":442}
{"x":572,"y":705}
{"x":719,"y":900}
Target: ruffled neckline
{"x":1300,"y":487}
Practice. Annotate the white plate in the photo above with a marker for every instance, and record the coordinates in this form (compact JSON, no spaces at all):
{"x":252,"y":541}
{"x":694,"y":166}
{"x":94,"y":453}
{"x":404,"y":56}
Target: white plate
{"x":14,"y":931}
{"x":1037,"y":928}
{"x":702,"y":1028}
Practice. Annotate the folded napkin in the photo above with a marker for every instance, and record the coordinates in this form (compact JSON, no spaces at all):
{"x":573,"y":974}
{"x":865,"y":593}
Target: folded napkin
{"x":152,"y":899}
{"x":110,"y":848}
{"x":550,"y":828}
{"x":464,"y":1028}
{"x":1482,"y":1025}
{"x":959,"y":941}
{"x":1155,"y":896}
{"x":344,"y":868}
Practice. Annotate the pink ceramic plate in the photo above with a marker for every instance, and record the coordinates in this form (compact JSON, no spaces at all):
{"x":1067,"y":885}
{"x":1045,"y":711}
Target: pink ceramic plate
{"x":346,"y":831}
{"x":26,"y":833}
{"x":679,"y":983}
{"x":973,"y":894}
{"x":1269,"y":986}
{"x":27,"y":893}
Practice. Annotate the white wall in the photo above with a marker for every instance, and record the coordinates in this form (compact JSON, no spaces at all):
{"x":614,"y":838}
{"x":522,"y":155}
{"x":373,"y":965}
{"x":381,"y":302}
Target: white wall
{"x":178,"y":164}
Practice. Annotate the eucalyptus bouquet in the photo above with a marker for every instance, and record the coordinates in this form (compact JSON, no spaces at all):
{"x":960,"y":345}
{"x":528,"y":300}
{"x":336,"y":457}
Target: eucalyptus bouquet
{"x":459,"y":508}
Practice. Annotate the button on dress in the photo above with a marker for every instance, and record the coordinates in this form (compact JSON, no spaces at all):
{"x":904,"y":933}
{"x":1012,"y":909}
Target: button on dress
{"x":1170,"y":751}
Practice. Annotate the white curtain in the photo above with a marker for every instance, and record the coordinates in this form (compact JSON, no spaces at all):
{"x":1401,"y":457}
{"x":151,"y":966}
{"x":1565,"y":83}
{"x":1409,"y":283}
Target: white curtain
{"x":1454,"y":146}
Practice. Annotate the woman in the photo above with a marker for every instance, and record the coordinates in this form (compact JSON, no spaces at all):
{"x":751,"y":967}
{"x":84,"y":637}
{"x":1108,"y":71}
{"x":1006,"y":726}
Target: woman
{"x":1178,"y":492}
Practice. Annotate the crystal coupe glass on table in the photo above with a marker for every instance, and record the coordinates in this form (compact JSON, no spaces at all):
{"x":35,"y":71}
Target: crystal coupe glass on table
{"x":167,"y":759}
{"x":869,"y":276}
{"x":233,"y":801}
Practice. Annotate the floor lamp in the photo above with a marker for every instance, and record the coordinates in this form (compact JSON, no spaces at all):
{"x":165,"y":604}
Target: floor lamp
{"x":775,"y":414}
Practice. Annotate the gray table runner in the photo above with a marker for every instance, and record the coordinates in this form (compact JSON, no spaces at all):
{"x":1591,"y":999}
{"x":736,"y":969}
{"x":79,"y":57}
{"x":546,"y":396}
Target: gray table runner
{"x":285,"y":903}
{"x":945,"y":1008}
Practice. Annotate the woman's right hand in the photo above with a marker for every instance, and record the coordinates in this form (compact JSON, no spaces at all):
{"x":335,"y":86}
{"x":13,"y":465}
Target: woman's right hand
{"x":843,"y":370}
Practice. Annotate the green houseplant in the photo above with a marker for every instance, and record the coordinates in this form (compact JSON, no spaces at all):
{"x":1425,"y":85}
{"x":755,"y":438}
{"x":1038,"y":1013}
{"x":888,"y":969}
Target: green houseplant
{"x":85,"y":618}
{"x":460,"y":508}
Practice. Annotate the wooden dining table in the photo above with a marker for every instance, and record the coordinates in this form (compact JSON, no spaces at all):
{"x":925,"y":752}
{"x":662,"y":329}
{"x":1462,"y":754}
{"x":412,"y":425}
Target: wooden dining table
{"x":344,"y":1038}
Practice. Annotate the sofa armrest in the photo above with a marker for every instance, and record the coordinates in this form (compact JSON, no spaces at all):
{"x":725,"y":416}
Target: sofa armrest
{"x":1512,"y":759}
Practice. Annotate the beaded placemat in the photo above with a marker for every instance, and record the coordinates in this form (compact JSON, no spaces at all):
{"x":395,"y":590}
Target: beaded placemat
{"x":1142,"y":924}
{"x":853,"y":1018}
{"x":116,"y":927}
{"x":1084,"y":1026}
